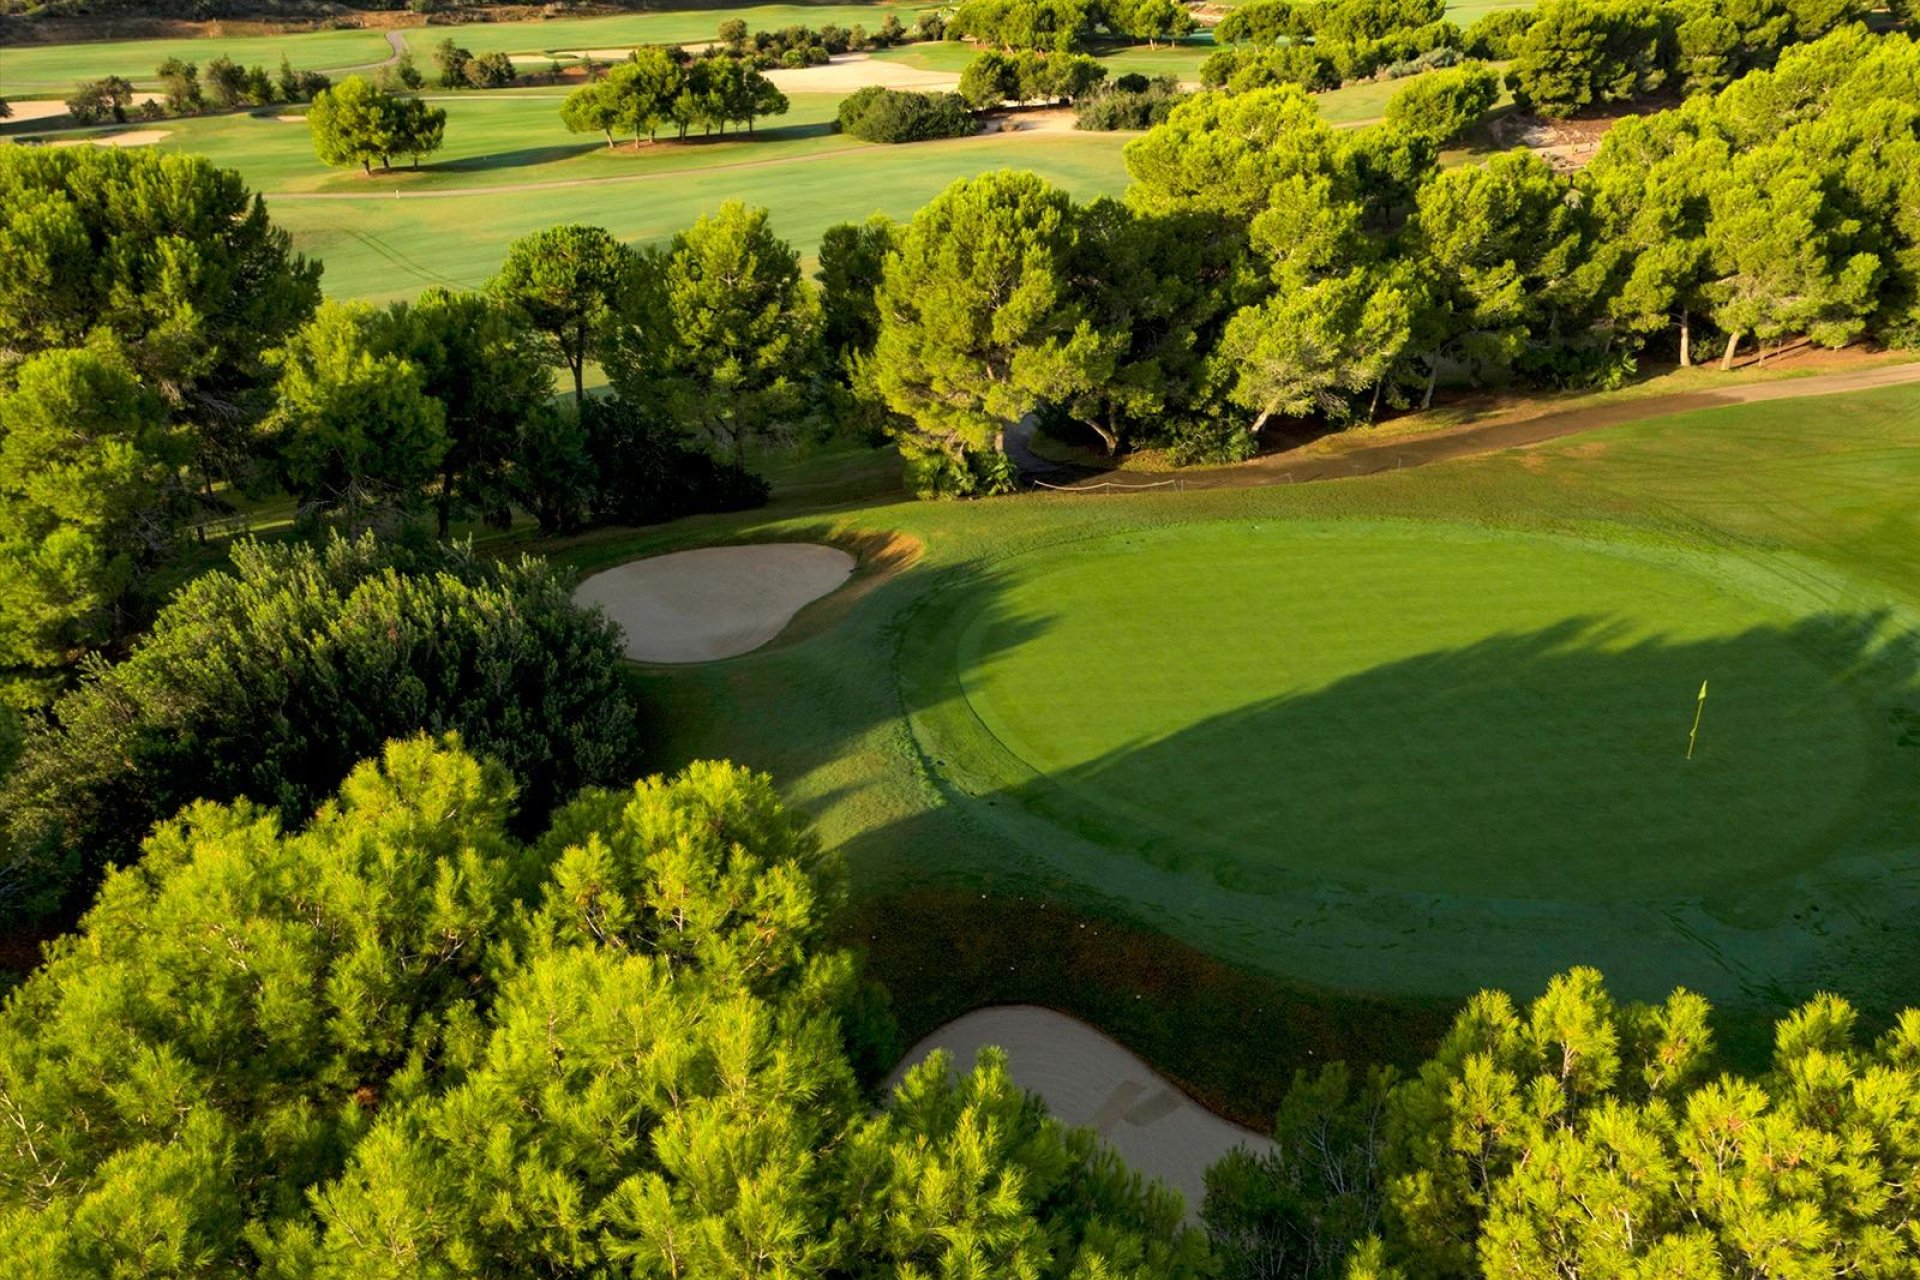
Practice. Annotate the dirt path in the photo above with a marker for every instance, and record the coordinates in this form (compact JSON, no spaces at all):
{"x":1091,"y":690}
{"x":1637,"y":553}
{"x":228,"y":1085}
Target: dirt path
{"x":1364,"y":459}
{"x":1089,"y":1080}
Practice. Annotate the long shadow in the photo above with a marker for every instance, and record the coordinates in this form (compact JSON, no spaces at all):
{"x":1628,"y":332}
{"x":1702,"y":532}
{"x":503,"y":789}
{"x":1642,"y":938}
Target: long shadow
{"x":1327,"y":873}
{"x":1545,"y":765}
{"x":521,"y":157}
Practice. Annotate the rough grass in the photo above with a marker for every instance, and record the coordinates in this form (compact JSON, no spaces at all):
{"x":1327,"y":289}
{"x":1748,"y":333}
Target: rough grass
{"x":1797,"y":517}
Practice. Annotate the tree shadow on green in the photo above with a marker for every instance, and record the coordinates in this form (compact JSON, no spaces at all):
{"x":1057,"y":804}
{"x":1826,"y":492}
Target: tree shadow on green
{"x":1546,"y":765}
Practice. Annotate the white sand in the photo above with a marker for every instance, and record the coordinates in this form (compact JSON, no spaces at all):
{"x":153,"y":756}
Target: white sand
{"x":135,"y":138}
{"x":716,"y":602}
{"x":850,"y":71}
{"x":1087,"y":1079}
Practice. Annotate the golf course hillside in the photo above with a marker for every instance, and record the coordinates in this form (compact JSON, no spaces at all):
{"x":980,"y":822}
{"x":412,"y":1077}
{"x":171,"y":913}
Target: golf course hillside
{"x":1318,"y":758}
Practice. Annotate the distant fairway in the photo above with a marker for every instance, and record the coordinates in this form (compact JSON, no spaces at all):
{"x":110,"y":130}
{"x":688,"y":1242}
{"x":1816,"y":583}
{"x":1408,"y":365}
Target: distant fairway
{"x":1422,"y":708}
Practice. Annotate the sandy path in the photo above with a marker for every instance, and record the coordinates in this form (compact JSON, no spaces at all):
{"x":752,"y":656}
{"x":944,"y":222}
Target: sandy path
{"x":850,"y":71}
{"x":1492,"y":437}
{"x":714,"y":602}
{"x":1087,"y":1079}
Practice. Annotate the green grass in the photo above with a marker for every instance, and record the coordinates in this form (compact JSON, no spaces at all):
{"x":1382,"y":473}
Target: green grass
{"x":1499,"y":710}
{"x":672,"y":26}
{"x":1307,"y":764}
{"x":52,"y":70}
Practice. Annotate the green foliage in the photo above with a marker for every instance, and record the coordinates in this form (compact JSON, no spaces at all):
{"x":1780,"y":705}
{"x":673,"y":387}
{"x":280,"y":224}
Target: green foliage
{"x":577,"y":287}
{"x":357,"y":122}
{"x":1441,"y":105}
{"x":1057,"y":25}
{"x":978,"y":324}
{"x":168,"y":257}
{"x":1495,"y":36}
{"x":479,"y":359}
{"x":1305,"y":1207}
{"x":853,"y":256}
{"x":101,"y":101}
{"x":1579,"y":55}
{"x":269,"y":681}
{"x":1503,"y":254}
{"x":656,"y":89}
{"x":87,"y":503}
{"x":1265,"y":66}
{"x":356,"y":432}
{"x":995,"y":78}
{"x":617,"y":1048}
{"x":1126,"y":105}
{"x":876,"y":114}
{"x":1580,"y":1136}
{"x":235,"y":1009}
{"x":1225,"y":153}
{"x":737,"y":332}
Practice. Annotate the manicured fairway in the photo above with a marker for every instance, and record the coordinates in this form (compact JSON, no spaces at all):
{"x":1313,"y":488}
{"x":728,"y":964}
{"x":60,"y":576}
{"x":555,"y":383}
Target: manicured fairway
{"x":1419,"y":707}
{"x":379,"y":247}
{"x":52,"y":70}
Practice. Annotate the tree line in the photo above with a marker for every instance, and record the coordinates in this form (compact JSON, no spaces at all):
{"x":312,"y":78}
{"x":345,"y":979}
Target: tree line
{"x":1565,"y":56}
{"x":142,"y":398}
{"x":658,"y":88}
{"x":1265,"y":265}
{"x":1065,"y":26}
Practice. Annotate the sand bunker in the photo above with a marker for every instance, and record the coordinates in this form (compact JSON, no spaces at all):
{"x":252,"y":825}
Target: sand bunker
{"x":30,"y":109}
{"x":137,"y":138}
{"x":716,"y":602}
{"x":850,"y":71}
{"x":1087,"y":1079}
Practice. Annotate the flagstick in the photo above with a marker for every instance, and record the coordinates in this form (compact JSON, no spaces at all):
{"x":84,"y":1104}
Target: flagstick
{"x":1699,"y":709}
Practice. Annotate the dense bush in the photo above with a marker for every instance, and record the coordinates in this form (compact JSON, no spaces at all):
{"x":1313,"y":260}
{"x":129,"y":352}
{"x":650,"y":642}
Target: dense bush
{"x":874,"y":114}
{"x":1441,"y":105}
{"x":646,"y":471}
{"x":1263,"y":67}
{"x":995,"y":78}
{"x":269,"y":681}
{"x":1131,"y":102}
{"x":1497,"y":33}
{"x":1581,"y":1136}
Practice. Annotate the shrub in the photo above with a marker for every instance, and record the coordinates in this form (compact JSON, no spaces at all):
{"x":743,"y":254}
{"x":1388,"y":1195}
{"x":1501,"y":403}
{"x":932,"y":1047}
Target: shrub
{"x":1441,"y":105}
{"x":270,"y":680}
{"x":1497,"y":35}
{"x":1134,"y":102}
{"x":874,"y":114}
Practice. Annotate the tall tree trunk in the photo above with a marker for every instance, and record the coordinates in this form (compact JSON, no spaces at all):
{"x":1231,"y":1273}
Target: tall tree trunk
{"x":1433,"y":377}
{"x":446,"y":495}
{"x":1373,"y":406}
{"x":1686,"y":339}
{"x":1726,"y":361}
{"x":1259,"y":422}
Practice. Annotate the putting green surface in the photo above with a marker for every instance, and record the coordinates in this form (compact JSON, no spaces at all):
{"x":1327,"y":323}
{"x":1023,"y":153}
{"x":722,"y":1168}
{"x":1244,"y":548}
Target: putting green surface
{"x":1424,"y":708}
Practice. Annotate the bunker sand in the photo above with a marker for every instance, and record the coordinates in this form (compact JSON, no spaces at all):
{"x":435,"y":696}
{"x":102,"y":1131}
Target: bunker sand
{"x":714,"y":602}
{"x":1089,"y":1080}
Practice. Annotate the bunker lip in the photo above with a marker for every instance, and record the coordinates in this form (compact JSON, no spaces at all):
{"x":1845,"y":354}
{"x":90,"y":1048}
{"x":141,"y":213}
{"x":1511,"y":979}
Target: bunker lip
{"x":713,"y":602}
{"x":1088,"y":1079}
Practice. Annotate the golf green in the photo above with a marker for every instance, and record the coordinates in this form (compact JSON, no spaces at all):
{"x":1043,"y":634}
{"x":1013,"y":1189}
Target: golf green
{"x":1422,"y":708}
